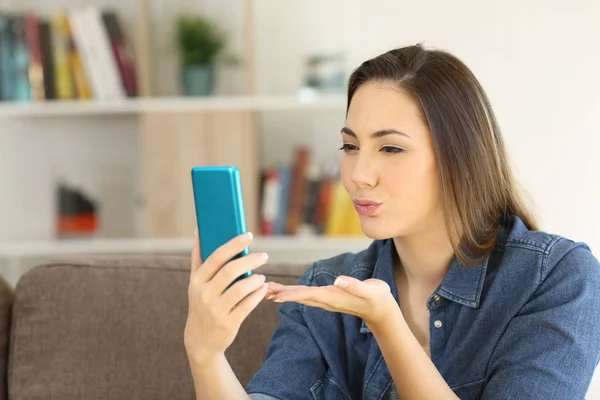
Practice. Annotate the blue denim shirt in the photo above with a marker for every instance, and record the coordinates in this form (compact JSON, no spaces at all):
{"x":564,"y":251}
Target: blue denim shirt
{"x":522,"y":325}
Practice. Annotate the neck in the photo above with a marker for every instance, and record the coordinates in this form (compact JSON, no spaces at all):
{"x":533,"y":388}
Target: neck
{"x":425,"y":257}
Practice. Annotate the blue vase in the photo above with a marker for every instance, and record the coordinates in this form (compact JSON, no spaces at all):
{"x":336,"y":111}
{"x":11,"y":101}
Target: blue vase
{"x":197,"y":80}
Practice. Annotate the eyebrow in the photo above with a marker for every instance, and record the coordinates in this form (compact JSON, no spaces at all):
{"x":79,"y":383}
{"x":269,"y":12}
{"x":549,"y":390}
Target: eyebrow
{"x":376,"y":134}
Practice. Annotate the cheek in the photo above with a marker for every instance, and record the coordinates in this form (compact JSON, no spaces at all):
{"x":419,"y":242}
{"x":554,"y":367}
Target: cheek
{"x":413,"y":184}
{"x":346,"y":173}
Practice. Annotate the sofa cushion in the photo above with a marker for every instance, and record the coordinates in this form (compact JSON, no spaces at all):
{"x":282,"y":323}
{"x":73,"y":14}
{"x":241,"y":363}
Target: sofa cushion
{"x":6,"y":302}
{"x":112,"y":327}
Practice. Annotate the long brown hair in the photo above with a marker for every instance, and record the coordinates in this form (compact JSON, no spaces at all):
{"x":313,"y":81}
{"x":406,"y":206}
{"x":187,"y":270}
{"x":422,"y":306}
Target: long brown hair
{"x":477,"y":184}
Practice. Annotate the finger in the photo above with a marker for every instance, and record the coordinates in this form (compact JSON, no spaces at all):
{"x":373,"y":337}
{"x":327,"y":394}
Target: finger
{"x":275,"y":288}
{"x":322,"y":294}
{"x":353,"y":286}
{"x":196,"y":258}
{"x":326,"y":307}
{"x":222,"y":255}
{"x":333,"y":307}
{"x":246,"y":306}
{"x":239,"y":291}
{"x":234,"y":269}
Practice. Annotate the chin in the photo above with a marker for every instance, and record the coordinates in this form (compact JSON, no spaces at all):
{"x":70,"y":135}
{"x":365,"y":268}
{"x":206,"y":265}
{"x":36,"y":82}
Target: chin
{"x":377,"y":230}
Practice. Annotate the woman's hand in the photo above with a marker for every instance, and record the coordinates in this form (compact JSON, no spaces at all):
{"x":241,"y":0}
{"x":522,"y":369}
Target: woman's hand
{"x":215,"y":315}
{"x":370,"y":300}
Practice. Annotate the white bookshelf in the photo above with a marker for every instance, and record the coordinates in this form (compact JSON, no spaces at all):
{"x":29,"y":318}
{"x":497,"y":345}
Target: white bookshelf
{"x":54,"y":248}
{"x":167,"y":131}
{"x":17,"y":258}
{"x":135,"y":106}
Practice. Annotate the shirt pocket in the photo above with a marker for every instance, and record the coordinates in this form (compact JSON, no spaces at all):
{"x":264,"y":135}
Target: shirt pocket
{"x":469,"y":391}
{"x":328,"y":389}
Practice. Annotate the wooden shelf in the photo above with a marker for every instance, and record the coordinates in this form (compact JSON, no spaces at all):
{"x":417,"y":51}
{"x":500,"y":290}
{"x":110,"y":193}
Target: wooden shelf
{"x":144,"y":105}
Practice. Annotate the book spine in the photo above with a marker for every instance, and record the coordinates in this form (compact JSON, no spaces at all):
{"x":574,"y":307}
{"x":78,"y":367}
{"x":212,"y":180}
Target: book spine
{"x":80,"y":77}
{"x":108,"y":66}
{"x":270,"y":202}
{"x":285,"y":178}
{"x":62,"y":71}
{"x":47,"y":59}
{"x":85,"y":45}
{"x":35,"y":68}
{"x":297,"y":191}
{"x":20,"y":61}
{"x":122,"y":53}
{"x":6,"y":44}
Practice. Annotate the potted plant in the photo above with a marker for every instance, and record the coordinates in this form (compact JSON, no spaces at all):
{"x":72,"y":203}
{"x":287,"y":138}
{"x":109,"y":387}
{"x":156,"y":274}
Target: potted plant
{"x":199,"y":41}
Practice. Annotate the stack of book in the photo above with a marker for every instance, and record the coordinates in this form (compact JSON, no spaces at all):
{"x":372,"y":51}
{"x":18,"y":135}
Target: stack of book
{"x":305,"y":199}
{"x":77,"y":213}
{"x":79,"y":54}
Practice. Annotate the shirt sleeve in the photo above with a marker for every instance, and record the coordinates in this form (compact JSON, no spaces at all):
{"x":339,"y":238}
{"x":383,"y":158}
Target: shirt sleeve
{"x":294,"y":362}
{"x":551,"y":348}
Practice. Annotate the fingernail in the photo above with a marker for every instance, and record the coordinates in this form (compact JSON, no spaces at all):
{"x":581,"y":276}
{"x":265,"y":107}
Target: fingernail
{"x":248,"y":237}
{"x":269,"y":297}
{"x":196,"y":232}
{"x":278,"y":301}
{"x":339,"y":282}
{"x":264,"y":256}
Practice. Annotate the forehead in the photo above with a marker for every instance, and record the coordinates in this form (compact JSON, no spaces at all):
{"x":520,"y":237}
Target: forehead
{"x":381,"y":105}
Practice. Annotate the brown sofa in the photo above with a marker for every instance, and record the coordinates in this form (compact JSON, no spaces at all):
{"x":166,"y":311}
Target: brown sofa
{"x":112,"y":328}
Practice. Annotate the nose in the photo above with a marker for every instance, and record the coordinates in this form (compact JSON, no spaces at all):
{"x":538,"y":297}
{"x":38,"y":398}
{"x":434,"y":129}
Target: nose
{"x":363,"y":172}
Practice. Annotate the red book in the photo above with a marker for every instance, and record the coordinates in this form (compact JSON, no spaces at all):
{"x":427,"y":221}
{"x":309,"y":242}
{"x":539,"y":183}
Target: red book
{"x":298,"y":191}
{"x":36,"y":70}
{"x":123,"y":54}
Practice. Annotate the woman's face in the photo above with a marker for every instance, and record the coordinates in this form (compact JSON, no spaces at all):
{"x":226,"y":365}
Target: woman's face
{"x":389,"y":167}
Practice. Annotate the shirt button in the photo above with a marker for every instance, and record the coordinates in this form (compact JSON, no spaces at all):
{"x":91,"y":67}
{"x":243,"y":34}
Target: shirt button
{"x":437,"y":324}
{"x":436,"y":297}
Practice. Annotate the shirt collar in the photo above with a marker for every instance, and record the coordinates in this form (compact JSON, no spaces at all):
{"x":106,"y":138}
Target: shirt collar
{"x":462,"y":284}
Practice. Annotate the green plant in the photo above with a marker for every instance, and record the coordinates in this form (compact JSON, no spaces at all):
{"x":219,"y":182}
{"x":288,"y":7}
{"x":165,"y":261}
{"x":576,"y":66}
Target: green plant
{"x":199,"y":40}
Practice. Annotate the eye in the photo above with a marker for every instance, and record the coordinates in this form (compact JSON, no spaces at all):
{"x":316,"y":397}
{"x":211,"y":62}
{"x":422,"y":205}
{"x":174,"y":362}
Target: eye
{"x":392,"y":149}
{"x":346,"y":147}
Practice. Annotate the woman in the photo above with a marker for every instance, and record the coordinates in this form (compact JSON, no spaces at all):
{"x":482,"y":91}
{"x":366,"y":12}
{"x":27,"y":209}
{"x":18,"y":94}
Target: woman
{"x":459,"y":295}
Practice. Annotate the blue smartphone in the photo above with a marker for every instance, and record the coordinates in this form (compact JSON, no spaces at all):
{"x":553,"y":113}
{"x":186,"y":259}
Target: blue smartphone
{"x":219,"y":208}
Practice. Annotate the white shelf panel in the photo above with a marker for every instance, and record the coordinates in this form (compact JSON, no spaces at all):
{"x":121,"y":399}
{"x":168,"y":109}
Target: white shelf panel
{"x":141,"y":105}
{"x":132,"y":246}
{"x":17,"y":258}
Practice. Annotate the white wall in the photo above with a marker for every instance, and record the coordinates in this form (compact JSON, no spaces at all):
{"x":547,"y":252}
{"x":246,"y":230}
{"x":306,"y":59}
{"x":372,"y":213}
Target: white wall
{"x":539,"y":64}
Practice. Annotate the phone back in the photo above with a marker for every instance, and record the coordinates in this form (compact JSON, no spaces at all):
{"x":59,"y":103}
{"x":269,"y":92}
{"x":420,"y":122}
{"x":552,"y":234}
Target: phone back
{"x":219,"y":207}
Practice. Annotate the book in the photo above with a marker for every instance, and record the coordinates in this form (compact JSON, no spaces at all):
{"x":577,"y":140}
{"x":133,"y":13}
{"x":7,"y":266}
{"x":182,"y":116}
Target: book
{"x":45,"y":33}
{"x":306,"y":199}
{"x":74,"y":54}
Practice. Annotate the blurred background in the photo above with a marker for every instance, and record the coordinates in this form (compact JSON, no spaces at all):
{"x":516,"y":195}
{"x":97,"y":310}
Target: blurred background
{"x":105,"y":106}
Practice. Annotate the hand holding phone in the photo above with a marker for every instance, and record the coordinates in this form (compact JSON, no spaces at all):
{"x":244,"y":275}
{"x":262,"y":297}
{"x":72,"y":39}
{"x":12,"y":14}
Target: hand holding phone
{"x":223,"y":290}
{"x":215,"y":315}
